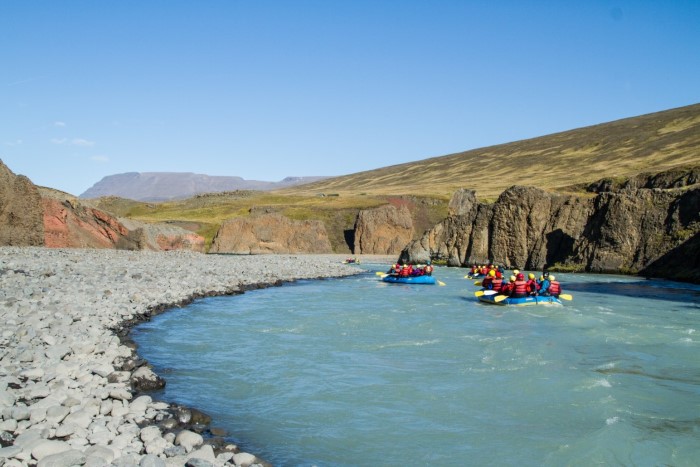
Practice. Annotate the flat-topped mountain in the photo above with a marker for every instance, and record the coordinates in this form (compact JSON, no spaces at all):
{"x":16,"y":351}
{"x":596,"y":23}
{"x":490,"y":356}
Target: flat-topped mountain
{"x":164,"y":186}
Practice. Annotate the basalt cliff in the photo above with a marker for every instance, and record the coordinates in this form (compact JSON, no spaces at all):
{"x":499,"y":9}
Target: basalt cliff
{"x":649,"y":225}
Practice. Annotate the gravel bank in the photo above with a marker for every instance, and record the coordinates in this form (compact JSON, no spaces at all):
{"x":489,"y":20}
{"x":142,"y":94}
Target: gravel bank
{"x":70,"y":387}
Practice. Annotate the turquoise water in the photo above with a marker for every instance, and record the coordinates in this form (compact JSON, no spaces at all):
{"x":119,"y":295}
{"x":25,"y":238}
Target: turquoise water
{"x":358,"y":372}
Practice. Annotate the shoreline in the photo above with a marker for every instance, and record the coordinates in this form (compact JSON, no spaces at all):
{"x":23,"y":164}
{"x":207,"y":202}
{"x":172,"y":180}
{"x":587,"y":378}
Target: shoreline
{"x":73,"y":389}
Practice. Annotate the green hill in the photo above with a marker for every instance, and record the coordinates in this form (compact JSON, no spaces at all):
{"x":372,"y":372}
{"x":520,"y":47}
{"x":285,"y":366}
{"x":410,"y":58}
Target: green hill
{"x":563,"y":162}
{"x":623,"y":148}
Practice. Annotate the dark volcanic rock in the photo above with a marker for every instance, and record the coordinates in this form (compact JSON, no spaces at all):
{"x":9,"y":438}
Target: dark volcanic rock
{"x":21,"y":217}
{"x":628,"y":230}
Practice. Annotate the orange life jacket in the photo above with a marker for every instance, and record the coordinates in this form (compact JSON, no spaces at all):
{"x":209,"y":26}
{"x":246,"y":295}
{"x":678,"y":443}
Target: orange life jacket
{"x":405,"y":271}
{"x":428,"y":269}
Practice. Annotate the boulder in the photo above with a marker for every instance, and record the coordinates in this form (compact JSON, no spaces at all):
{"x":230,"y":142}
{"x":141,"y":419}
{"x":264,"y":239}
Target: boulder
{"x":21,"y":221}
{"x":271,"y":233}
{"x":383,"y":230}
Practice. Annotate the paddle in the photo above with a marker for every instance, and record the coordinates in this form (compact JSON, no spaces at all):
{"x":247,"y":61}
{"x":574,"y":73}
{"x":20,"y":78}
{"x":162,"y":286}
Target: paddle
{"x":566,"y":296}
{"x":499,"y":298}
{"x":479,"y":293}
{"x":477,"y":282}
{"x":441,"y":283}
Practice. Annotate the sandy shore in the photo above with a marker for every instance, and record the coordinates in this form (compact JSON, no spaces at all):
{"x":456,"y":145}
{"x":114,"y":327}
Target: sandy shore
{"x":70,"y":387}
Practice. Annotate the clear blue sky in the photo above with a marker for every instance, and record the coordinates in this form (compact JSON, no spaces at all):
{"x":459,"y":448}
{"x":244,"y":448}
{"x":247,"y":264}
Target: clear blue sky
{"x":267,"y":89}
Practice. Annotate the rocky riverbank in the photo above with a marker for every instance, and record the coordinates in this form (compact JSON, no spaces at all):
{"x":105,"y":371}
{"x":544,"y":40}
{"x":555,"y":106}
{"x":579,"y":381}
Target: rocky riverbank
{"x":70,"y":384}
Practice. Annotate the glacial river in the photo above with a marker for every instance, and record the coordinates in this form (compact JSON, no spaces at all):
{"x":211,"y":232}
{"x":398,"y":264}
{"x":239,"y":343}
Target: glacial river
{"x":354,"y":371}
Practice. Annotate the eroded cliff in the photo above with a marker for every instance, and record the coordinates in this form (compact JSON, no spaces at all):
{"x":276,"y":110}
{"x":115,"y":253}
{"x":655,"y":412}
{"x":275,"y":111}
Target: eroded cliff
{"x":270,"y":233}
{"x":629,"y":226}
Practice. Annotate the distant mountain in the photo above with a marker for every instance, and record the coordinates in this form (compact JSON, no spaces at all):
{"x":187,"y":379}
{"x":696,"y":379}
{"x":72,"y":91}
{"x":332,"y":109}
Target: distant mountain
{"x":164,"y":186}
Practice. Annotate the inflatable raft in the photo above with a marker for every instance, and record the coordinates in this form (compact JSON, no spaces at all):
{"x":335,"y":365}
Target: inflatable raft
{"x":409,"y":280}
{"x":491,"y":298}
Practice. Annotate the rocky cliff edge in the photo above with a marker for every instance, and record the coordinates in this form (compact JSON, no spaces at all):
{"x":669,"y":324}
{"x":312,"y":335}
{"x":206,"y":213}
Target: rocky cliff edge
{"x":649,"y":225}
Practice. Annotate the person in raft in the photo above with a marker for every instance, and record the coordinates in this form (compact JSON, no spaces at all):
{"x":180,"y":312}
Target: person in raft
{"x":554,"y":287}
{"x":507,"y":288}
{"x":486,"y":282}
{"x":531,"y":284}
{"x":544,"y":283}
{"x":428,"y":269}
{"x":497,"y":281}
{"x":519,"y":287}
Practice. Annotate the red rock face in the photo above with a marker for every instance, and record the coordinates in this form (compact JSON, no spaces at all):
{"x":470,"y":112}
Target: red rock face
{"x":69,"y":224}
{"x":77,"y":226}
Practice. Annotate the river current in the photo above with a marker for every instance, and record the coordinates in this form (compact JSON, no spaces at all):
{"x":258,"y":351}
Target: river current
{"x":354,"y":371}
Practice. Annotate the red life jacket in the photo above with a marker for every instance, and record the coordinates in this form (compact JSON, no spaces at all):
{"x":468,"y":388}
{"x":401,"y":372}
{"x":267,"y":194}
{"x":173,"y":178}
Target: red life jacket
{"x":428,"y":270}
{"x":519,"y":288}
{"x":486,"y":281}
{"x":531,"y":286}
{"x":496,"y":284}
{"x":404,"y":272}
{"x":554,"y":288}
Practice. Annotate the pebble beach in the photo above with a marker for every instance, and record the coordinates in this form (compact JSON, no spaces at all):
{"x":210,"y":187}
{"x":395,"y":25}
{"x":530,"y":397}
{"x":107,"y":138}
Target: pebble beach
{"x":73,"y":390}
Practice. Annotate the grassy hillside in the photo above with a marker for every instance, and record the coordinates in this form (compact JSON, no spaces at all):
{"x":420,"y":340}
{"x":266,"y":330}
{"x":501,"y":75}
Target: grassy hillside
{"x":203,"y":214}
{"x":623,"y":148}
{"x":649,"y":143}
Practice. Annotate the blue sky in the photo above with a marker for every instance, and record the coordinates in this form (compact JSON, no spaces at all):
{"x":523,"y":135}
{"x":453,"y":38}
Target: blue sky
{"x":267,"y":89}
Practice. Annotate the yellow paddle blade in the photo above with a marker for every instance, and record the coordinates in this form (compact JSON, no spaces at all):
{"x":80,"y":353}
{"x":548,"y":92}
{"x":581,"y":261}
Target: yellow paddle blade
{"x":380,"y":273}
{"x":478,"y":293}
{"x":441,"y":283}
{"x":566,"y":296}
{"x":468,"y":276}
{"x":499,"y":298}
{"x":477,"y":282}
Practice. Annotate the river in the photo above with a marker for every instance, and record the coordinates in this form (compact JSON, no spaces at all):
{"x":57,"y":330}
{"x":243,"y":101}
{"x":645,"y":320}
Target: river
{"x":354,"y":371}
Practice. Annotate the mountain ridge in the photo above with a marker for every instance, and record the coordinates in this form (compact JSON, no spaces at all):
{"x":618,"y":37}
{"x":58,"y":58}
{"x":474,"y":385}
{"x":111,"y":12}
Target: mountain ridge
{"x":167,"y":186}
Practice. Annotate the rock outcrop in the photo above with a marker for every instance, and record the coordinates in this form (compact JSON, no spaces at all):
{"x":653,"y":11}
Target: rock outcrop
{"x":21,"y":217}
{"x":69,"y":223}
{"x":383,"y":230}
{"x":641,"y":226}
{"x":271,"y":233}
{"x":164,"y":237}
{"x":73,"y":225}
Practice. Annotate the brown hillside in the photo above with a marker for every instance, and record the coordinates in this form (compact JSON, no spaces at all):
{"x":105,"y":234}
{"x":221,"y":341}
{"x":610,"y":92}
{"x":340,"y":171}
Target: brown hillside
{"x":623,"y":148}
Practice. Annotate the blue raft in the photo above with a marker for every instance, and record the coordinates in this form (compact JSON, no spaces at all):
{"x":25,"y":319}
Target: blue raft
{"x":409,"y":280}
{"x":525,"y":301}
